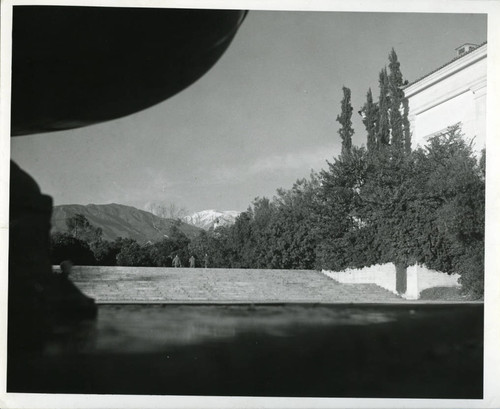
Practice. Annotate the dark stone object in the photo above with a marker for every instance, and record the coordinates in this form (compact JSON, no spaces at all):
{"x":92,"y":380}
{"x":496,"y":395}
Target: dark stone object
{"x":39,"y":299}
{"x":75,"y":66}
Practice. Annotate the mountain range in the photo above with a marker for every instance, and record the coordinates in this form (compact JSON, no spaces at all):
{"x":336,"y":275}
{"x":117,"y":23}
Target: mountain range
{"x":118,"y":220}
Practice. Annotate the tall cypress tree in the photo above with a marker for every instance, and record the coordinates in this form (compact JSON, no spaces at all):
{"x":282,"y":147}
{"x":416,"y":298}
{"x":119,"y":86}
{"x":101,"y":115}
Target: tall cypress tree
{"x":396,"y":99}
{"x":370,"y":120}
{"x":346,"y":131}
{"x":383,"y":132}
{"x":399,"y":110}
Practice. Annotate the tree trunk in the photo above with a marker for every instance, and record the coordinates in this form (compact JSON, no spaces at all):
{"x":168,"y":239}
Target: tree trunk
{"x":401,"y":278}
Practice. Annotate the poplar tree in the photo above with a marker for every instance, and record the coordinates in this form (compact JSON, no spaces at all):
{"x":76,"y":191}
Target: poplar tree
{"x":383,"y":132}
{"x":399,"y":110}
{"x":370,"y":120}
{"x":346,"y":131}
{"x":396,"y":98}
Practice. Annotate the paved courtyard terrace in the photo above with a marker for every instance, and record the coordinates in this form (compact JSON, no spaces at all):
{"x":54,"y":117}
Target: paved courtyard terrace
{"x":188,"y":285}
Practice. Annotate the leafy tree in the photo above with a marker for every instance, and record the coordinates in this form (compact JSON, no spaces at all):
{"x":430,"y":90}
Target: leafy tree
{"x":66,"y":247}
{"x":162,"y":252}
{"x":180,"y":243}
{"x":105,"y":252}
{"x":201,"y":246}
{"x":277,"y":233}
{"x":133,"y":254}
{"x":79,"y":227}
{"x":455,"y":185}
{"x":241,"y":241}
{"x":221,"y":251}
{"x":382,"y":204}
{"x":178,"y":236}
{"x":294,"y":226}
{"x":260,"y":255}
{"x":77,"y":224}
{"x":337,"y":213}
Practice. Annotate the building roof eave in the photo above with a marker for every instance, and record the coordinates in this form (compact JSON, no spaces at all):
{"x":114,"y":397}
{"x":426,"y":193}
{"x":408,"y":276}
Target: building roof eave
{"x":446,"y":70}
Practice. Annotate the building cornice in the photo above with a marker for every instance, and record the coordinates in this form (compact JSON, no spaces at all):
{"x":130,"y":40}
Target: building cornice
{"x":446,"y":71}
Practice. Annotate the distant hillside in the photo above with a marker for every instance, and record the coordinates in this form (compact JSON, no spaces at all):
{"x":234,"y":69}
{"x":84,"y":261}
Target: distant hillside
{"x":207,"y":219}
{"x":117,"y":220}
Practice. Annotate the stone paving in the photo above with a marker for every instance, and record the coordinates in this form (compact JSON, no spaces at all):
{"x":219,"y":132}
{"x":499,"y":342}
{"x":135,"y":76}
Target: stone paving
{"x":185,"y":285}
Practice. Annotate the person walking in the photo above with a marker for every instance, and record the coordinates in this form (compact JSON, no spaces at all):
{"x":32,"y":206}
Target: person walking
{"x":192,"y":262}
{"x":177,"y":261}
{"x":206,"y":260}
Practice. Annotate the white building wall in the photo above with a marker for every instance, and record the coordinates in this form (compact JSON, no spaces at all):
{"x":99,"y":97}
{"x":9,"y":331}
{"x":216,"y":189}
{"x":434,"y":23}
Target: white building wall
{"x":455,"y":93}
{"x":419,"y":278}
{"x":384,"y":275}
{"x":458,"y":109}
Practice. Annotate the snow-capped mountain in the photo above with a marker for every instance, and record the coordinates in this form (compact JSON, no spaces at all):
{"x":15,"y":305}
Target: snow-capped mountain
{"x":207,"y":219}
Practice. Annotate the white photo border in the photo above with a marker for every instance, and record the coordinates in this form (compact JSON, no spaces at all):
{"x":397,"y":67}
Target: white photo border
{"x":492,"y":232}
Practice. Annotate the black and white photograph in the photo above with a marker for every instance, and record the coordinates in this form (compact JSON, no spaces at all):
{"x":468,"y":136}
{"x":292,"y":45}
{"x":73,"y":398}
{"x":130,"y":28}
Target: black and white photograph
{"x":249,"y":205}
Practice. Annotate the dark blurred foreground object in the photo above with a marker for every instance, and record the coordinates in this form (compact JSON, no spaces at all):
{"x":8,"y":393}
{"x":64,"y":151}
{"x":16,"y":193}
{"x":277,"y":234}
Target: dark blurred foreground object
{"x":75,"y":66}
{"x":39,"y":299}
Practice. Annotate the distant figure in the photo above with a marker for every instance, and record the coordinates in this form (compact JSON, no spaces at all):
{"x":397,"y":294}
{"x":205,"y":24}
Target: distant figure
{"x":177,"y":261}
{"x":66,"y":267}
{"x":192,"y":262}
{"x":206,"y":260}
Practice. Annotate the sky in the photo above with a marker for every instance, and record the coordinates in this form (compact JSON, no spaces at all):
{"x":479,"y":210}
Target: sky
{"x":261,"y":118}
